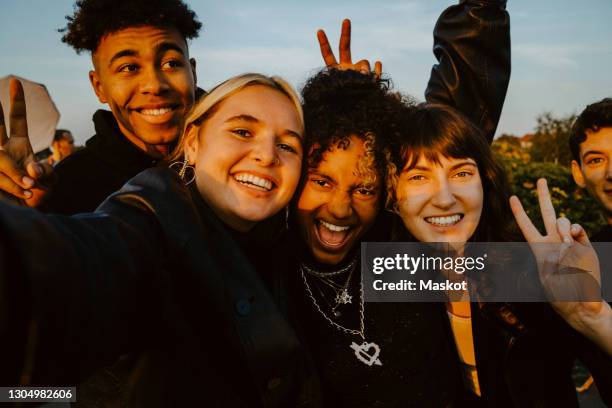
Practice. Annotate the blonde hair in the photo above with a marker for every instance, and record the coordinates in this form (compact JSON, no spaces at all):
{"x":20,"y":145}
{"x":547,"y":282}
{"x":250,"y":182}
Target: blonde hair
{"x":209,"y":103}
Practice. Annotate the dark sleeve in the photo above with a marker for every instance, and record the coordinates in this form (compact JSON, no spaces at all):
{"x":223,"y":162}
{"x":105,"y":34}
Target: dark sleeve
{"x":472,"y":46}
{"x":83,"y":181}
{"x":76,"y":292}
{"x":598,"y":362}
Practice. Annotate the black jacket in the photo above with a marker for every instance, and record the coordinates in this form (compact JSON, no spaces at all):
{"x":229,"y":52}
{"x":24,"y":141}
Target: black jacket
{"x":603,"y":235}
{"x":87,"y":177}
{"x":472,"y":46}
{"x":153,"y":273}
{"x":525,"y":353}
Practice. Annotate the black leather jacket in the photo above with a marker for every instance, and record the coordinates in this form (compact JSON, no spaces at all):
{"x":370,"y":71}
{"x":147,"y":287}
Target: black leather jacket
{"x":472,"y":46}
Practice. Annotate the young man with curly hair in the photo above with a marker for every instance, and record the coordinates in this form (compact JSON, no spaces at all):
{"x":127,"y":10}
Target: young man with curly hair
{"x":142,"y":70}
{"x":591,"y":146}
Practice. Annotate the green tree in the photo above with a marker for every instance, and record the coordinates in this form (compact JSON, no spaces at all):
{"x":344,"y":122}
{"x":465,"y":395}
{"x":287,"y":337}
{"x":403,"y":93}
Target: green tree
{"x":550,"y":142}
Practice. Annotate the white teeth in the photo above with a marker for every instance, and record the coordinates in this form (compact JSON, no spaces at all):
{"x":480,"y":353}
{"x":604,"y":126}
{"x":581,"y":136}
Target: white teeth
{"x":444,"y":221}
{"x":155,"y":112}
{"x":246,"y":178}
{"x":335,"y":228}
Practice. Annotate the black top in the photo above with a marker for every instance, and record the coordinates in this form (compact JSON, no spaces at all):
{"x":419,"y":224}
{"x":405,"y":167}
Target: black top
{"x":419,"y":364}
{"x":88,"y":176}
{"x":604,"y":235}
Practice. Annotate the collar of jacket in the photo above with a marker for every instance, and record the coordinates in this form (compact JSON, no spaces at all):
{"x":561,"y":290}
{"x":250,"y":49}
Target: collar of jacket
{"x":112,"y":147}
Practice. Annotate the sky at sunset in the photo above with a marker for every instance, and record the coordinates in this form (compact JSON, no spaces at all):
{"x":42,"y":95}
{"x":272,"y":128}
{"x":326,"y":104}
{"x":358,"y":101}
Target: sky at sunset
{"x":561,"y":53}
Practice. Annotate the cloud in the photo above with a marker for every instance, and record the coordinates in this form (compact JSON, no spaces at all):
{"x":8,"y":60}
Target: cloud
{"x":559,"y":56}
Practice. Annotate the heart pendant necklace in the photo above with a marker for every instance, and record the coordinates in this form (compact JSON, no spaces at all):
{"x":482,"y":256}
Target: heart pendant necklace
{"x":366,"y":352}
{"x":363,"y":355}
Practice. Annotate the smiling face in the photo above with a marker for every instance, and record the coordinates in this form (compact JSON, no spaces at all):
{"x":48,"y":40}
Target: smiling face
{"x":336,"y":206}
{"x":441,"y":202}
{"x":145,"y":76}
{"x":595,"y":169}
{"x":247,"y":155}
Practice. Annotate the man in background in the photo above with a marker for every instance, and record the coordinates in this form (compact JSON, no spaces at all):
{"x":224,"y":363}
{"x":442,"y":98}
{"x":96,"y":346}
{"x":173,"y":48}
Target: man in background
{"x":62,"y":146}
{"x":591,"y":145}
{"x":142,"y":70}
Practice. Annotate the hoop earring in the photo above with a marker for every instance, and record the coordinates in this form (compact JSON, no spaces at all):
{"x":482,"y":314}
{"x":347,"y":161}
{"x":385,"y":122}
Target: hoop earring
{"x":287,"y":217}
{"x":182,"y":168}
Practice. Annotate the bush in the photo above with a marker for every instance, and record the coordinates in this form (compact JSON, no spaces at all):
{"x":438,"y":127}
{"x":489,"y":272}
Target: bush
{"x":568,"y":199}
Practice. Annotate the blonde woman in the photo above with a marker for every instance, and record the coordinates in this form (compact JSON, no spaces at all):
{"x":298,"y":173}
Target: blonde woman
{"x":165,"y":269}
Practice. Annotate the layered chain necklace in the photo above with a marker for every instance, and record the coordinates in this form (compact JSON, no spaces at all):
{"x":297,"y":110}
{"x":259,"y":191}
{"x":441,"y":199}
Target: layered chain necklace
{"x":366,"y":352}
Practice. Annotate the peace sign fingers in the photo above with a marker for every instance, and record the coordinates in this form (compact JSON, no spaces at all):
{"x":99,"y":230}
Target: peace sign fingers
{"x":549,"y":216}
{"x":17,"y":111}
{"x":378,"y":69}
{"x":530,"y":232}
{"x":344,"y":48}
{"x":345,"y":42}
{"x":326,"y":51}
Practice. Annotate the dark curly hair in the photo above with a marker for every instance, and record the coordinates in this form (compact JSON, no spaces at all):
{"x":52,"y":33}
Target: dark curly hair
{"x":594,"y":117}
{"x":93,"y":19}
{"x":339,"y":104}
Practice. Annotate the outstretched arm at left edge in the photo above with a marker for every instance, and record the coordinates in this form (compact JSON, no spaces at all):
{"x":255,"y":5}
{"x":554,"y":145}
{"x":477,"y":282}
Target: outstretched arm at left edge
{"x":75,"y":292}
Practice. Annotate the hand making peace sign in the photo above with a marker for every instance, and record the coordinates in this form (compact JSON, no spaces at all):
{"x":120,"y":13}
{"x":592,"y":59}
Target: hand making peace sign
{"x":574,"y":253}
{"x":19,"y":172}
{"x":346,"y":62}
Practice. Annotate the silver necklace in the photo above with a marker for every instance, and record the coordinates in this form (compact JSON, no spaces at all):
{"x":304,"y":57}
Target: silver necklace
{"x":341,"y":292}
{"x":319,"y":274}
{"x":366,"y":352}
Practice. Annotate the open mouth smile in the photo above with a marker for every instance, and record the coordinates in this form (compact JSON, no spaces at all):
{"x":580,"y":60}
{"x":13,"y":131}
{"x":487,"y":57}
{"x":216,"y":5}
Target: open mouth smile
{"x":331,"y":235}
{"x":444,"y":221}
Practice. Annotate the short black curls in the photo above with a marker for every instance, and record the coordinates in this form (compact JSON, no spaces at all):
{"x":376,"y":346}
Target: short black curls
{"x":338,"y":104}
{"x":93,"y":19}
{"x":594,"y":117}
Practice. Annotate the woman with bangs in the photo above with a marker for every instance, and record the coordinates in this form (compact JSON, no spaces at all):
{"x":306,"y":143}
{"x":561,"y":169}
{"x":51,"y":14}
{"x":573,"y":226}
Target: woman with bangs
{"x":449,"y":189}
{"x":173,"y":273}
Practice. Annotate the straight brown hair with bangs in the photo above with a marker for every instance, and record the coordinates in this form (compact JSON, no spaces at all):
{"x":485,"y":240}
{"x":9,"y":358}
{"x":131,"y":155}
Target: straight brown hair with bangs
{"x":433,"y":131}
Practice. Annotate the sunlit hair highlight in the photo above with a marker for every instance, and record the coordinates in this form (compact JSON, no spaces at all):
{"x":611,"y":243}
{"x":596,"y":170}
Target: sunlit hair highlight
{"x":210,"y":103}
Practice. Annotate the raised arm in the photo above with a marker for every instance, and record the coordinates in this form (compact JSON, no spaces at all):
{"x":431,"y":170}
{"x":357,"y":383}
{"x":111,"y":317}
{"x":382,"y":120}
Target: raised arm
{"x":472,"y":46}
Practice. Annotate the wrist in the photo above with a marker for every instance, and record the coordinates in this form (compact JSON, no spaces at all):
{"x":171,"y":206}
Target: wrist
{"x":595,"y":322}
